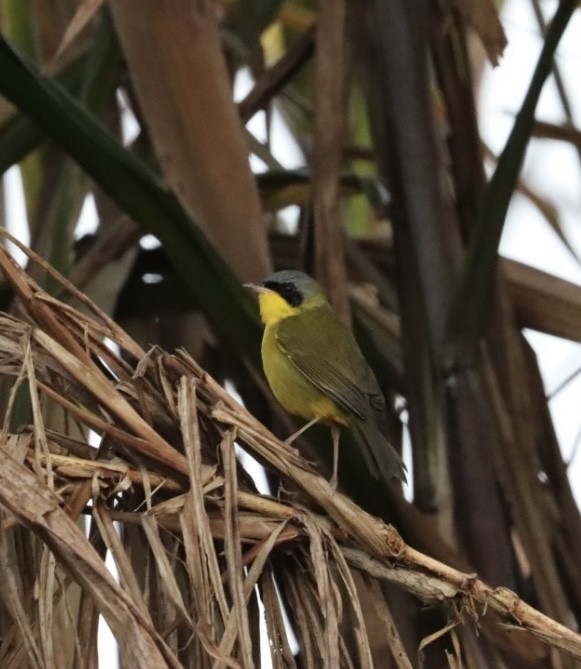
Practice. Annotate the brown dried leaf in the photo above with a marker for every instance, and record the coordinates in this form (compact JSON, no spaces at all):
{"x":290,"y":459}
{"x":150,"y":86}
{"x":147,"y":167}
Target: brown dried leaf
{"x":482,"y":15}
{"x":84,"y":14}
{"x":543,"y":301}
{"x":174,"y":54}
{"x":38,"y":509}
{"x":233,"y":551}
{"x":221,"y":538}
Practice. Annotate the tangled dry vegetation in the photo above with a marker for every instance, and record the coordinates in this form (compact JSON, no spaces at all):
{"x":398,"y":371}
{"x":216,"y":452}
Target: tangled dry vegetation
{"x":195,"y":545}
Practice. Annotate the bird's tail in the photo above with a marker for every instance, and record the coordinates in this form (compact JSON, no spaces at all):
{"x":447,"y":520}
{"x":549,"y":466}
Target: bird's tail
{"x":381,"y":457}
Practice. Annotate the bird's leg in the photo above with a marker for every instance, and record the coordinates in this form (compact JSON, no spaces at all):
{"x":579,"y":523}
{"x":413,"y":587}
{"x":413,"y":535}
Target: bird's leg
{"x":304,"y":428}
{"x":335,"y":434}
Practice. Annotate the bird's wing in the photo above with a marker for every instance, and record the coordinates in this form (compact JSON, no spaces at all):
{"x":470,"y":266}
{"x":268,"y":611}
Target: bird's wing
{"x":326,"y":353}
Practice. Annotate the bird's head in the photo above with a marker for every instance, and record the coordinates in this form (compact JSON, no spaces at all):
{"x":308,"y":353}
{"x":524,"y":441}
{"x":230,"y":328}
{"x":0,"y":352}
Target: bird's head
{"x":285,"y":294}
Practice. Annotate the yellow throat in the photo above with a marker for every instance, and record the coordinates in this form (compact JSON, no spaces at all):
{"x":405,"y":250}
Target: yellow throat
{"x":274,"y":308}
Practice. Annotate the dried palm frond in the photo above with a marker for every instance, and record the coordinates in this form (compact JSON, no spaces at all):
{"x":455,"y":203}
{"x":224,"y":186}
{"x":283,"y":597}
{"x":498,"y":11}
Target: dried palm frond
{"x":164,"y":477}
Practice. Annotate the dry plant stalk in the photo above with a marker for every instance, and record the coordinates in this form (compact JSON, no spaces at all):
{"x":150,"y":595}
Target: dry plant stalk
{"x":192,"y":540}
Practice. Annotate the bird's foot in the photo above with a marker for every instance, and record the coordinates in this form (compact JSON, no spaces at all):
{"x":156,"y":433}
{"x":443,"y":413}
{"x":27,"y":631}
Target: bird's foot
{"x":288,"y":442}
{"x":283,"y":494}
{"x":295,"y":435}
{"x":333,"y":481}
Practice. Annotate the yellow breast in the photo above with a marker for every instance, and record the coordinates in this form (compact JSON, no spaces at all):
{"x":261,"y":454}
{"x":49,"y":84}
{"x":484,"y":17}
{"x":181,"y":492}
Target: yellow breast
{"x":291,"y":388}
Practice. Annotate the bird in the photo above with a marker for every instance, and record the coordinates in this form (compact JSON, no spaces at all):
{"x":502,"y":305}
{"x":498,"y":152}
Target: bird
{"x":317,"y":371}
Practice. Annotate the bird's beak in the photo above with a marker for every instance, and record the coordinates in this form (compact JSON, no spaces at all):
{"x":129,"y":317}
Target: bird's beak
{"x":257,"y":288}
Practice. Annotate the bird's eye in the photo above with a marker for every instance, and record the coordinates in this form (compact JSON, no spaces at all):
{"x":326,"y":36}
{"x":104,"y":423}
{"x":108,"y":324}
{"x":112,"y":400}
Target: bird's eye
{"x":291,"y":294}
{"x":288,"y":291}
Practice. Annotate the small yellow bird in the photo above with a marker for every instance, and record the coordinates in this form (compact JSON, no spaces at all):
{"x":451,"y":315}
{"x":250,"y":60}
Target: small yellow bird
{"x":317,"y":371}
